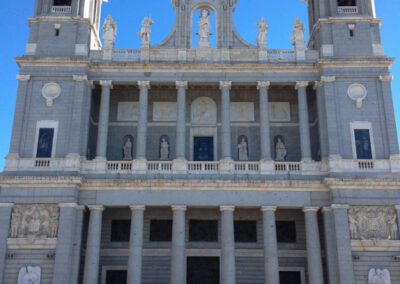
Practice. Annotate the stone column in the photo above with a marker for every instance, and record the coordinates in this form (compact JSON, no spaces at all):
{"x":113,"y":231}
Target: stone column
{"x":5,"y":220}
{"x":330,"y":245}
{"x":141,"y":136}
{"x":136,"y":245}
{"x":21,"y":110}
{"x":65,"y":244}
{"x":305,"y":143}
{"x":181,"y":120}
{"x":92,"y":257}
{"x":76,"y":257}
{"x":322,"y":126}
{"x":343,"y":244}
{"x":178,"y":259}
{"x":271,"y":262}
{"x":225,"y":87}
{"x":265,"y":139}
{"x":102,"y":134}
{"x":228,"y":271}
{"x":397,"y":207}
{"x":314,"y":258}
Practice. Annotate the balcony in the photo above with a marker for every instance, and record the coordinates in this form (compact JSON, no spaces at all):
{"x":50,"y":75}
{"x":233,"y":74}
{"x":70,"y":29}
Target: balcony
{"x":348,"y":10}
{"x":61,"y":10}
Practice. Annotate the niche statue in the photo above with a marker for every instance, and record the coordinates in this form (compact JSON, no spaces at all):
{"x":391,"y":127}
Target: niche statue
{"x":127,"y":149}
{"x":280,"y":150}
{"x":204,"y":28}
{"x":164,"y":150}
{"x":243,"y":153}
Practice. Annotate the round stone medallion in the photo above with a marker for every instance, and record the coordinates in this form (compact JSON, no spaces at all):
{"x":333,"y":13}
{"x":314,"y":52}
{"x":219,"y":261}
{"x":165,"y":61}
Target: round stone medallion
{"x":357,"y":92}
{"x":50,"y":92}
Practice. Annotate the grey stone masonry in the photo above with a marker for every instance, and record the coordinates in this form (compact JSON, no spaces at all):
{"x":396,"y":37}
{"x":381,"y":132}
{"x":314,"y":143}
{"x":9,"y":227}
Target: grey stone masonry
{"x":136,"y":245}
{"x":228,"y":271}
{"x":264,"y":121}
{"x":92,"y":257}
{"x":178,"y":258}
{"x":225,"y":87}
{"x":5,"y":217}
{"x":102,"y":135}
{"x":271,"y":263}
{"x":142,"y":122}
{"x":305,"y":143}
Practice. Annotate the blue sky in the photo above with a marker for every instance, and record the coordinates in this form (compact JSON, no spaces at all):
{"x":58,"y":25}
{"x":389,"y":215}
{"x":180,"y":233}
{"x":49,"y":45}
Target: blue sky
{"x":128,"y":14}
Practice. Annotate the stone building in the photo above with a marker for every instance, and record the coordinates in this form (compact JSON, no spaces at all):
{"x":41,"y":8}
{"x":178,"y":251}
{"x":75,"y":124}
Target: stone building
{"x":194,"y":161}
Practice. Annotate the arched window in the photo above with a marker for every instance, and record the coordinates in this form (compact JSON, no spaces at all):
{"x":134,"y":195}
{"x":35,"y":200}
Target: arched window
{"x":346,"y":3}
{"x":62,"y":2}
{"x":164,"y":148}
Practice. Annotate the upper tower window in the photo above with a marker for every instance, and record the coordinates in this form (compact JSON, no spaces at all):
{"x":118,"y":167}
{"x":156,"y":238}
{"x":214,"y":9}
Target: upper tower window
{"x":62,"y":2}
{"x":347,"y":3}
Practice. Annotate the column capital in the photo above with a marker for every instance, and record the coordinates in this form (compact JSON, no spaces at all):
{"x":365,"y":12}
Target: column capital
{"x":386,"y":78}
{"x":397,"y":207}
{"x":6,"y":205}
{"x":179,"y":207}
{"x":268,"y":208}
{"x":301,"y":84}
{"x":317,"y":84}
{"x":311,"y":209}
{"x":144,"y":84}
{"x":80,"y":78}
{"x":106,"y":83}
{"x":23,"y":77}
{"x":328,"y":79}
{"x":326,"y":209}
{"x":137,"y":207}
{"x":263,"y":84}
{"x":96,"y":207}
{"x":225,"y":85}
{"x":181,"y":84}
{"x":227,"y":208}
{"x":340,"y":206}
{"x":67,"y":205}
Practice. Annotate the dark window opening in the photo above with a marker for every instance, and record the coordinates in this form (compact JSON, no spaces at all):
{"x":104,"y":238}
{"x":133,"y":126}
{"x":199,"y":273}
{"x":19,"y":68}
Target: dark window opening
{"x":203,"y":231}
{"x":116,"y":277}
{"x":289,"y":277}
{"x":346,"y":3}
{"x":201,"y":270}
{"x":45,"y":143}
{"x":351,"y":33}
{"x":363,"y":144}
{"x":120,"y":230}
{"x":203,"y":149}
{"x":246,"y":231}
{"x":62,"y":2}
{"x":286,"y":231}
{"x":160,"y":230}
{"x":57,"y":32}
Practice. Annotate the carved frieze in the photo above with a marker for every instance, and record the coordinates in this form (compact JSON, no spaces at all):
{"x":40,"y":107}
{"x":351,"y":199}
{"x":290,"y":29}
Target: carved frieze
{"x":34,"y":221}
{"x":373,"y":223}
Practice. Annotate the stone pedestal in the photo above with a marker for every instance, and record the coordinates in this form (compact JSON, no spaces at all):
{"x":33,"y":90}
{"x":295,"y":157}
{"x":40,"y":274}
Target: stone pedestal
{"x":227,"y":166}
{"x":179,"y":166}
{"x":267,"y":167}
{"x":139,"y":166}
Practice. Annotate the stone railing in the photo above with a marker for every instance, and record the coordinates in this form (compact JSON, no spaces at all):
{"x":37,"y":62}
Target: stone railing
{"x":287,"y":167}
{"x":203,"y":167}
{"x":348,"y":10}
{"x":61,"y":9}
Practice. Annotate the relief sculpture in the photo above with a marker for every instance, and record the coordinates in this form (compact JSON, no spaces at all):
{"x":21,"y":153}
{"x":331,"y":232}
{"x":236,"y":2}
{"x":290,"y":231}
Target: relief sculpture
{"x":373,"y":223}
{"x":34,"y":221}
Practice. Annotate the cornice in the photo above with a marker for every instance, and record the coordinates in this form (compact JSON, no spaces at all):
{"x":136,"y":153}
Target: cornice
{"x":364,"y":183}
{"x":39,"y":181}
{"x":356,"y":63}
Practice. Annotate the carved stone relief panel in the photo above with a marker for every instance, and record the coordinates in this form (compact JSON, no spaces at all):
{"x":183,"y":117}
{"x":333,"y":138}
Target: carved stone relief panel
{"x":203,"y":111}
{"x":379,"y":276}
{"x":373,"y":223}
{"x":164,"y":111}
{"x":243,"y":112}
{"x":34,"y":221}
{"x":279,"y":112}
{"x":128,"y":111}
{"x":29,"y":275}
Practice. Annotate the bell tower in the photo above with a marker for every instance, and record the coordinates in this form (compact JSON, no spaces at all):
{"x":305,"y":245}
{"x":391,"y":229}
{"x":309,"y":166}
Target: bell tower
{"x":63,"y":28}
{"x":345,"y":28}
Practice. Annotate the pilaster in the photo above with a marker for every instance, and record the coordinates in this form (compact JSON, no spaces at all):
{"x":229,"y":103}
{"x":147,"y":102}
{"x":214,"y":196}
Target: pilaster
{"x":5,"y":219}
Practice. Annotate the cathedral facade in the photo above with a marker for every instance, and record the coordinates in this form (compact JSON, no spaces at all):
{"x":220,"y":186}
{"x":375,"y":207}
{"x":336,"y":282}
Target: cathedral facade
{"x":199,"y":161}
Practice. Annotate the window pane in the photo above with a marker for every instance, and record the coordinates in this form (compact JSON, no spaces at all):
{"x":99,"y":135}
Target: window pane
{"x":160,"y":230}
{"x":203,"y":231}
{"x":363,"y":144}
{"x":246,"y":231}
{"x":347,"y":3}
{"x":62,"y":3}
{"x":45,"y":143}
{"x":286,"y":231}
{"x":289,"y":277}
{"x":116,"y":277}
{"x":120,"y":230}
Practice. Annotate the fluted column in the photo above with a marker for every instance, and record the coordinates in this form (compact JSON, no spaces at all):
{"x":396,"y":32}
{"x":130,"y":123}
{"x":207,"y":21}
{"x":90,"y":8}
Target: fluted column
{"x":225,"y":87}
{"x":271,"y":262}
{"x":5,"y":218}
{"x":136,"y":245}
{"x":305,"y":143}
{"x":178,"y":259}
{"x":265,"y":139}
{"x":181,"y":120}
{"x":330,"y":245}
{"x":141,"y":136}
{"x":92,"y":258}
{"x":314,"y":258}
{"x":228,"y":270}
{"x":102,"y":134}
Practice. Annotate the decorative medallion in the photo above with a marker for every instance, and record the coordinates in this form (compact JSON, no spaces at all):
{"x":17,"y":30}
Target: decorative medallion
{"x":357,"y":92}
{"x":50,"y":92}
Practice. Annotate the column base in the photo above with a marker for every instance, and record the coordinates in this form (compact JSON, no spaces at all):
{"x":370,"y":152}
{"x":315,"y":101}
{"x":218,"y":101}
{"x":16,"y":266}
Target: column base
{"x":179,"y":166}
{"x":267,"y":167}
{"x":139,"y":166}
{"x":100,"y":164}
{"x":226,"y":166}
{"x":73,"y":162}
{"x":395,"y":163}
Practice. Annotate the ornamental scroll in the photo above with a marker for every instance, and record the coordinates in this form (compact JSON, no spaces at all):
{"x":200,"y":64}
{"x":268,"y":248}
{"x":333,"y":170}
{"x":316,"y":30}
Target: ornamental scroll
{"x":373,"y":223}
{"x":34,"y":221}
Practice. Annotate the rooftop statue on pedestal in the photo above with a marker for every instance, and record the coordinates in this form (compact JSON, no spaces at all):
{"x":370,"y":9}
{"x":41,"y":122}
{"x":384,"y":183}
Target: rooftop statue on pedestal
{"x":204,"y":28}
{"x":145,"y":31}
{"x":109,"y":31}
{"x":262,"y":28}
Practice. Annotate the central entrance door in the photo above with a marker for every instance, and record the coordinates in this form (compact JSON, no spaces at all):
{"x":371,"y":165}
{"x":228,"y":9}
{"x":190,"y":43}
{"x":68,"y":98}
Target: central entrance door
{"x":203,"y":149}
{"x":202,"y":270}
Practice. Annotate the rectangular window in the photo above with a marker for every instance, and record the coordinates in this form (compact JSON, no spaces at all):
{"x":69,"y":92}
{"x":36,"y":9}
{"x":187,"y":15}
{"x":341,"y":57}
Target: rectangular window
{"x":120,"y":230}
{"x":160,"y":230}
{"x":246,"y":231}
{"x":347,"y":3}
{"x":116,"y":277}
{"x":62,"y":3}
{"x":45,"y":143}
{"x":286,"y":231}
{"x":203,"y":231}
{"x":363,"y":143}
{"x":289,"y":277}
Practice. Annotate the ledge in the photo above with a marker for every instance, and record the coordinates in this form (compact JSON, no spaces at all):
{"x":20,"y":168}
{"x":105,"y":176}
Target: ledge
{"x":375,"y":245}
{"x":25,"y":243}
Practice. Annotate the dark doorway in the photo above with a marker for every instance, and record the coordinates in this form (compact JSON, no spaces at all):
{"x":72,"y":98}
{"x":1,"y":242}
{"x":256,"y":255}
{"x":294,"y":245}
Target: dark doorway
{"x":202,"y":270}
{"x":116,"y":277}
{"x":289,"y":277}
{"x":203,"y":149}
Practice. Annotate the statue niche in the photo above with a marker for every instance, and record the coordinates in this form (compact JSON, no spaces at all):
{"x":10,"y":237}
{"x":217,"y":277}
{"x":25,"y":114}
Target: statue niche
{"x":280,"y":149}
{"x":127,"y":148}
{"x":243,"y":150}
{"x":164,"y":148}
